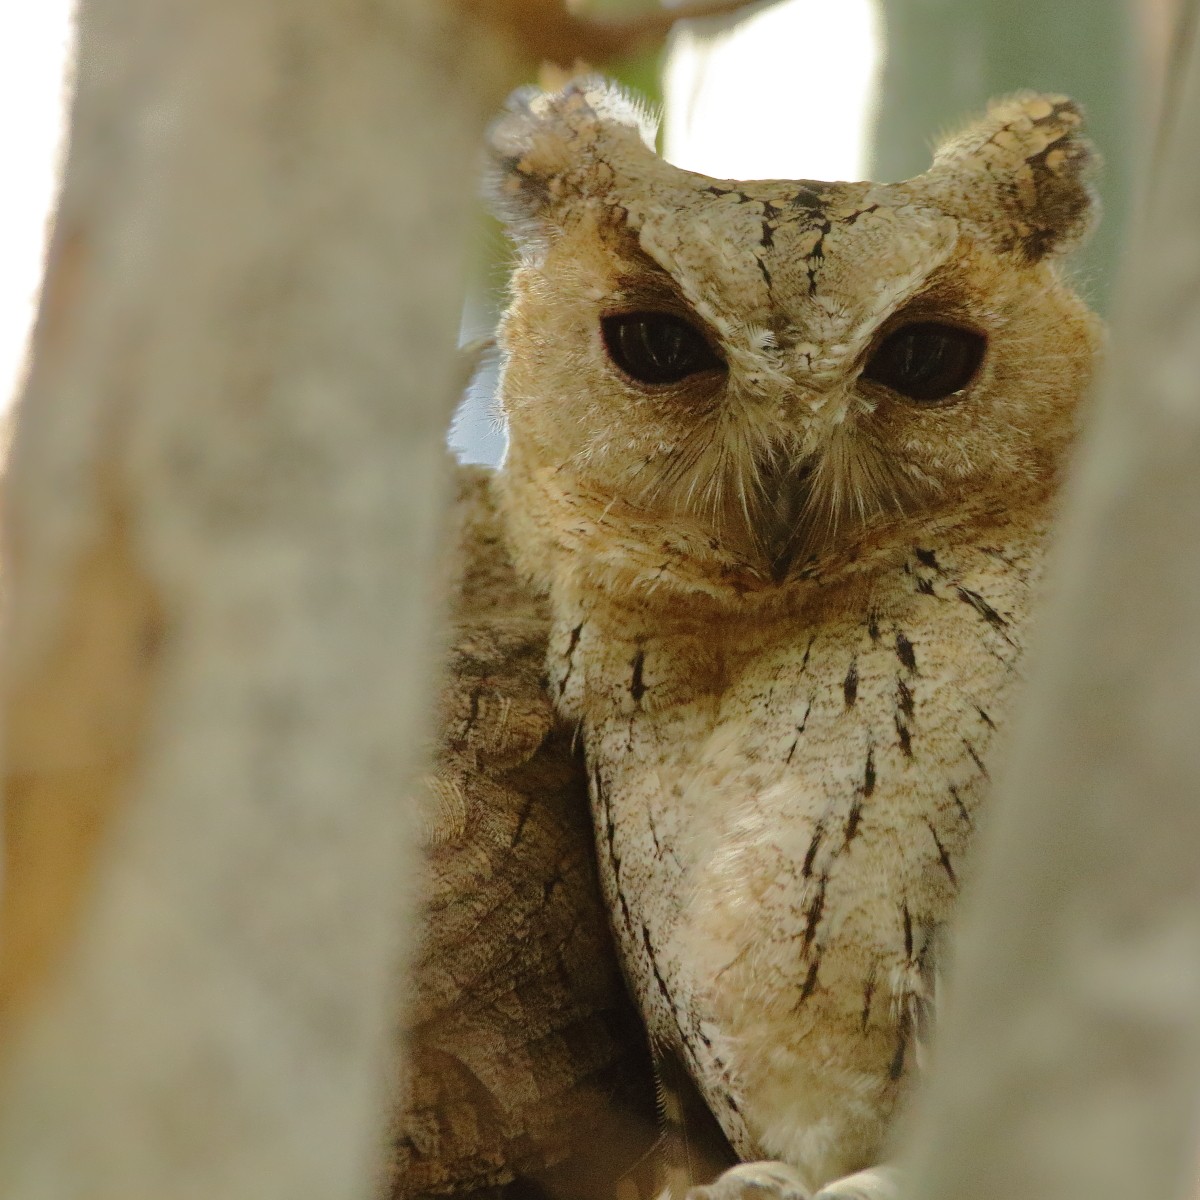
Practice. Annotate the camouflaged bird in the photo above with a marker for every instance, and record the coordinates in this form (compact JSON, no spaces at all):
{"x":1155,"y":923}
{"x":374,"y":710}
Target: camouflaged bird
{"x":784,"y":457}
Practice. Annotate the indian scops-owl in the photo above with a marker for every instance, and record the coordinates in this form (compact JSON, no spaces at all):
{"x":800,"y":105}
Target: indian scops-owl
{"x":783,"y":459}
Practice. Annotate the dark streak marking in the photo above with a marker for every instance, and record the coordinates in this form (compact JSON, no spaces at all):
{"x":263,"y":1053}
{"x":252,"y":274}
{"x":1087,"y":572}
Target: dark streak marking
{"x":816,"y":256}
{"x":984,"y":609}
{"x":905,"y":697}
{"x":853,"y":821}
{"x":654,"y":835}
{"x":925,"y":587}
{"x":896,"y":1068}
{"x":626,"y":915}
{"x":742,"y":198}
{"x":662,"y":985}
{"x":985,"y":718}
{"x":943,"y":857}
{"x":873,"y":625}
{"x":962,"y":808}
{"x":807,"y":652}
{"x":799,"y":730}
{"x":1009,"y":664}
{"x":926,"y":558}
{"x":905,"y":652}
{"x":637,"y":688}
{"x":868,"y":994}
{"x":852,"y":218}
{"x":562,"y":683}
{"x":976,"y":759}
{"x":850,"y":684}
{"x":615,"y":859}
{"x":905,"y":736}
{"x":610,"y":833}
{"x":810,"y":983}
{"x":908,"y":932}
{"x":808,"y":198}
{"x":996,"y":553}
{"x":810,"y":857}
{"x":812,"y":917}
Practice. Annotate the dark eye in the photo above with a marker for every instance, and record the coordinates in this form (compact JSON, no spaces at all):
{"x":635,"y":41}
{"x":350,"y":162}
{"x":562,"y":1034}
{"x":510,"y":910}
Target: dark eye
{"x":926,"y":361}
{"x":656,"y":347}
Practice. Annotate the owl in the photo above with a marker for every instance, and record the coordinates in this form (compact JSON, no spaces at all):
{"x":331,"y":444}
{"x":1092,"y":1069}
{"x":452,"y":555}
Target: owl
{"x":783,"y":462}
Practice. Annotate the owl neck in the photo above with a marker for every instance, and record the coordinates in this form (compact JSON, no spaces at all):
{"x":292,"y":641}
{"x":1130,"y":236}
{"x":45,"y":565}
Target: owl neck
{"x":580,"y":548}
{"x":636,"y":631}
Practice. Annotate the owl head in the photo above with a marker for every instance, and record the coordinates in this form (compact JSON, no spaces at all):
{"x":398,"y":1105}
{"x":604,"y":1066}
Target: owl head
{"x":710,"y":382}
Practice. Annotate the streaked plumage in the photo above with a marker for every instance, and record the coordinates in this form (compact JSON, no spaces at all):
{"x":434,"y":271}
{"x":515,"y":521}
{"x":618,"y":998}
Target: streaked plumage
{"x":788,"y":593}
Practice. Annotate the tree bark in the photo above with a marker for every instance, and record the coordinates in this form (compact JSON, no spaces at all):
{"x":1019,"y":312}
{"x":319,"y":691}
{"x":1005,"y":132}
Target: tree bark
{"x":1069,"y":1065}
{"x":221,"y":511}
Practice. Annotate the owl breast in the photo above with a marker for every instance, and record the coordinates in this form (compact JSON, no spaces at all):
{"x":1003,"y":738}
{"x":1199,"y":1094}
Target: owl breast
{"x":783,"y":803}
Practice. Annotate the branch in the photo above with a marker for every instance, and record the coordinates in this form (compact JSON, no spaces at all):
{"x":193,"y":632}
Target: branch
{"x":547,"y":30}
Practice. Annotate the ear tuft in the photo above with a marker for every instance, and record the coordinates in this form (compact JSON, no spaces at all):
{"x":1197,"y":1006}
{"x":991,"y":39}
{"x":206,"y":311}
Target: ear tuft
{"x":545,"y":147}
{"x":1020,"y":173}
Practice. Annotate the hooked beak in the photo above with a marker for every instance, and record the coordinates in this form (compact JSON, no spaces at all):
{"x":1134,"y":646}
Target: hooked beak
{"x":783,"y":533}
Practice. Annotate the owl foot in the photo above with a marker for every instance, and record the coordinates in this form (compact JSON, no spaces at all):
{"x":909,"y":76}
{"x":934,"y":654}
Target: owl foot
{"x":754,"y":1181}
{"x":875,"y":1183}
{"x":778,"y":1181}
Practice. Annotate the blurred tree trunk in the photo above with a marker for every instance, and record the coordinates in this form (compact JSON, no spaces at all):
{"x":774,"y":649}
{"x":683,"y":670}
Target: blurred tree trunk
{"x":944,"y":59}
{"x":220,"y":515}
{"x":1069,"y":1065}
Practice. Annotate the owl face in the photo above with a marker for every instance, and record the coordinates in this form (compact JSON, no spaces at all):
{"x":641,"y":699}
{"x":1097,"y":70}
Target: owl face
{"x":774,"y":371}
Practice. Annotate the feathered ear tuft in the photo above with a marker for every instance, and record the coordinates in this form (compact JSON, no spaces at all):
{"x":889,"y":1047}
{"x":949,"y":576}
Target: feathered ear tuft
{"x":1020,"y":174}
{"x":546,"y":150}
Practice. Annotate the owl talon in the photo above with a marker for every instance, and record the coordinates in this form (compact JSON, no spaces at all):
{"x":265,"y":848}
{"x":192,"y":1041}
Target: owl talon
{"x":754,"y":1181}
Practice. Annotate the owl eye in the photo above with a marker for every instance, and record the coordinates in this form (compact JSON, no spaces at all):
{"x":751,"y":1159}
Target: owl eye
{"x":654,"y":347}
{"x":926,"y":361}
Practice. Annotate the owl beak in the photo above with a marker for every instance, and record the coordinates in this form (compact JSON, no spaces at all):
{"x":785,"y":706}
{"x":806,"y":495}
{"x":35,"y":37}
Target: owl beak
{"x":783,"y":532}
{"x":781,"y":559}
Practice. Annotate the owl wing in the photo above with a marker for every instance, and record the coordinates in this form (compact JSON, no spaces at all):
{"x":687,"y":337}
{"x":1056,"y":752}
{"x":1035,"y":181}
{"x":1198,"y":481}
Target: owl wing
{"x":526,"y":1058}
